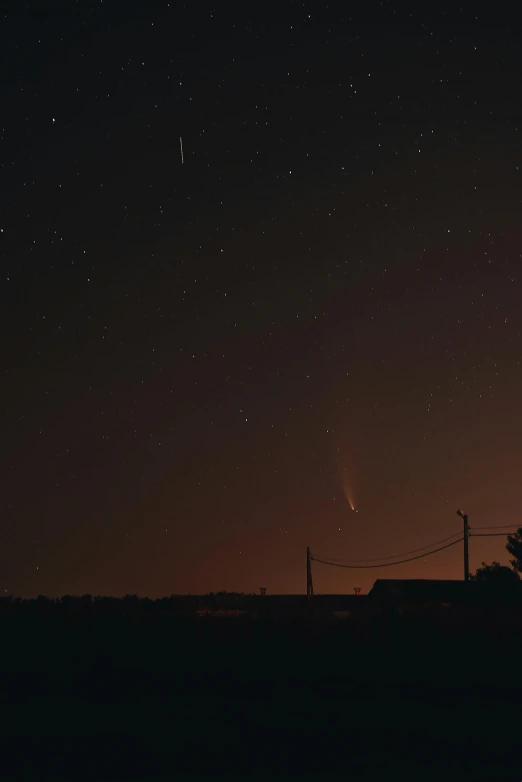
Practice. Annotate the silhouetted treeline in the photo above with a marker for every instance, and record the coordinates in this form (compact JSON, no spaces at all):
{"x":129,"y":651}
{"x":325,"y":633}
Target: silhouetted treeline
{"x":142,"y":608}
{"x":497,"y":602}
{"x":101,"y":606}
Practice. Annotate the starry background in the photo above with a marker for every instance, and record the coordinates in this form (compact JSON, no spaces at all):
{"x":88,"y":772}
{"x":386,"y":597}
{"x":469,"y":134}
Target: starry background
{"x":205,"y":363}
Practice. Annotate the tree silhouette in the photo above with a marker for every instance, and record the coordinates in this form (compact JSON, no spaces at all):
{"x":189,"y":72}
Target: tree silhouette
{"x":496,"y":575}
{"x":514,"y":547}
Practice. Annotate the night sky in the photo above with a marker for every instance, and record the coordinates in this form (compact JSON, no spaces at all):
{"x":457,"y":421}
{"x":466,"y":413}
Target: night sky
{"x":206,"y":363}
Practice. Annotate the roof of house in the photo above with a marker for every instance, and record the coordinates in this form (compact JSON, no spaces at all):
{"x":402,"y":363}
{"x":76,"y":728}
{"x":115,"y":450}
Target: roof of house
{"x":423,"y":589}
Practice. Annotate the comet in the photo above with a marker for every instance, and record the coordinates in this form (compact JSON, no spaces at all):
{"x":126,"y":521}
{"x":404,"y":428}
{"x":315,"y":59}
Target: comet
{"x":348,"y":493}
{"x":181,"y":147}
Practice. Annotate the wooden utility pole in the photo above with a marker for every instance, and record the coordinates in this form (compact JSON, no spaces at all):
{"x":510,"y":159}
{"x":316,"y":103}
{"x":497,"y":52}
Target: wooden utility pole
{"x":309,"y":584}
{"x":466,"y":552}
{"x":464,"y":517}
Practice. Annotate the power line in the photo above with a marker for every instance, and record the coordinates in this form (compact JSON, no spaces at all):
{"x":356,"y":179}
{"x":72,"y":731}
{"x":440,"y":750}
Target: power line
{"x":388,"y":564}
{"x":489,"y":535}
{"x":394,"y":556}
{"x":498,"y":526}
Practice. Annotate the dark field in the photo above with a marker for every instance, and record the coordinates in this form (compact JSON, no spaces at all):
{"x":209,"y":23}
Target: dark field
{"x":178,"y":698}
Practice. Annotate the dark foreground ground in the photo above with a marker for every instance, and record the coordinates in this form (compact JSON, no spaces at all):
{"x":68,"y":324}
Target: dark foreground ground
{"x":186,"y":699}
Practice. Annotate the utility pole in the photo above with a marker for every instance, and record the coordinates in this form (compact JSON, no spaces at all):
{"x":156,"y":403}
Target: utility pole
{"x":464,"y":517}
{"x":309,"y":584}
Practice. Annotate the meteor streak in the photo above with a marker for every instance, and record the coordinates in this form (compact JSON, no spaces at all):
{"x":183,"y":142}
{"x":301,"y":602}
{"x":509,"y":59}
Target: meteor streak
{"x":181,"y":147}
